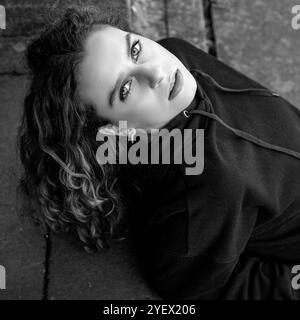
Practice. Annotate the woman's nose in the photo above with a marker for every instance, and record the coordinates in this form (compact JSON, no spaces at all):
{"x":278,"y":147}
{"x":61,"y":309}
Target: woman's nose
{"x":153,"y":73}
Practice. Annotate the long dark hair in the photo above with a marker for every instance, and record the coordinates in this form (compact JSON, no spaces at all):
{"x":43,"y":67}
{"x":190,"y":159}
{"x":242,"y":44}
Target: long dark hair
{"x":57,"y":135}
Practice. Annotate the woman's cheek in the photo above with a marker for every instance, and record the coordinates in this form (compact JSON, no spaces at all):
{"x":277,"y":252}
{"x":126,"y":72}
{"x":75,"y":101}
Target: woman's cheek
{"x":137,"y":97}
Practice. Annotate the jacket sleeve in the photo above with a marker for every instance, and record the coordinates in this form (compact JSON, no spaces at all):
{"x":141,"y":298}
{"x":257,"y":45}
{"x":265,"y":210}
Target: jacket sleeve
{"x":198,"y":278}
{"x":175,"y":273}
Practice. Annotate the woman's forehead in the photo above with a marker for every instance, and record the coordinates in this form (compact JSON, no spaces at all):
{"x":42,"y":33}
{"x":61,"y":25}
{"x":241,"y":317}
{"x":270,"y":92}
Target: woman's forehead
{"x":107,"y":36}
{"x":103,"y":51}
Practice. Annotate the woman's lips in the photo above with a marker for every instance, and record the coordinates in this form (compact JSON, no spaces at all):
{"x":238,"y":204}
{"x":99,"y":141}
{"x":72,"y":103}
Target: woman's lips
{"x":177,"y":87}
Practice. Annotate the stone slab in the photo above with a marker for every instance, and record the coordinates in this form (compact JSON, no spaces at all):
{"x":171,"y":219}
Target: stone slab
{"x":148,"y":18}
{"x":12,"y":58}
{"x":76,"y":274}
{"x":22,"y":246}
{"x":28,"y":17}
{"x":25,"y":19}
{"x":186,"y":21}
{"x":159,"y":19}
{"x":256,"y":37}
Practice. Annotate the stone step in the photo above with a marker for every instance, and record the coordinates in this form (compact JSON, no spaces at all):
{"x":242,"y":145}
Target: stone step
{"x":257,"y":38}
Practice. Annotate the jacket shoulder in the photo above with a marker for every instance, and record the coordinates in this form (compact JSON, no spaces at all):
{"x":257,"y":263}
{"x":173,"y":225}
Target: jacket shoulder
{"x":174,"y":42}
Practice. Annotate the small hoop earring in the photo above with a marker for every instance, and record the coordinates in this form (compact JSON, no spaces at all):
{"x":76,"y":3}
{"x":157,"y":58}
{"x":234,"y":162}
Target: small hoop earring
{"x":185,"y":113}
{"x":131,"y":134}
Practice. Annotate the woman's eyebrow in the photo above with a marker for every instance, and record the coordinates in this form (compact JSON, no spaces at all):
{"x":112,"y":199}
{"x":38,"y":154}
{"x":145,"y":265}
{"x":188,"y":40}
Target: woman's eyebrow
{"x":113,"y":93}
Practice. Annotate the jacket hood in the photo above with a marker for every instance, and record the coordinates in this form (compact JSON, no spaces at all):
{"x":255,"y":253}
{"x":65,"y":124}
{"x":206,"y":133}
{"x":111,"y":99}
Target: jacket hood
{"x":205,"y":109}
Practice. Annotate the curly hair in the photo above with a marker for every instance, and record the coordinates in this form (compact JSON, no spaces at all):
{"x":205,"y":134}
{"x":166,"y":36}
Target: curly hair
{"x":56,"y":138}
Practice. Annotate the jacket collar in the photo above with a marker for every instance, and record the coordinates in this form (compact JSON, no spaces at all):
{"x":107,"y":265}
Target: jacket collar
{"x":182,"y":120}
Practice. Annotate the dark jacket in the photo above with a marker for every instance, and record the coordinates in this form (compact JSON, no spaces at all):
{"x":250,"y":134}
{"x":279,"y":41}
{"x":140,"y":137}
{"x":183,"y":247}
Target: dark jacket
{"x":232,"y":232}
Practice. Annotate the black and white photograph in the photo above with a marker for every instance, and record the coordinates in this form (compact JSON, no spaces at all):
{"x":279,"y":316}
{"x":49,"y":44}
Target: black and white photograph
{"x":150,"y":151}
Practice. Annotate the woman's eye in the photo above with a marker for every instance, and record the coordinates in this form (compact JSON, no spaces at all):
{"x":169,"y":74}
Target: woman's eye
{"x":136,"y":50}
{"x":125,"y":90}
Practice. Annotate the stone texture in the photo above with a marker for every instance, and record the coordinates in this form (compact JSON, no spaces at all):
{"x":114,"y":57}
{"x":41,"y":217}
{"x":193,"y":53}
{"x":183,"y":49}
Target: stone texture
{"x":21,"y":243}
{"x":148,"y":18}
{"x":76,"y":274}
{"x":24,"y":19}
{"x":12,"y":58}
{"x":159,"y":19}
{"x":256,"y":38}
{"x":27,"y":17}
{"x":186,"y":21}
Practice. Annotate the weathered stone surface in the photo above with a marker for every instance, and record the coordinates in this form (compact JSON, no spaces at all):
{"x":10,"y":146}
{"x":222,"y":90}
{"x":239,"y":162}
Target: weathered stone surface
{"x":76,"y":274}
{"x":21,"y":244}
{"x":159,"y":19}
{"x":148,"y":18}
{"x":27,"y":17}
{"x":256,"y":37}
{"x":24,"y":19}
{"x":186,"y":21}
{"x":12,"y":59}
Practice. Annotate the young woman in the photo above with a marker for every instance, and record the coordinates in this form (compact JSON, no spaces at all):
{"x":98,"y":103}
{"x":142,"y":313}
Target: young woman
{"x":231,"y":232}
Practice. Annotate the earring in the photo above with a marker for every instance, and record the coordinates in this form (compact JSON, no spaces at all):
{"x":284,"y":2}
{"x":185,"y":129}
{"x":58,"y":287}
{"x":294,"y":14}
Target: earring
{"x":131,"y":134}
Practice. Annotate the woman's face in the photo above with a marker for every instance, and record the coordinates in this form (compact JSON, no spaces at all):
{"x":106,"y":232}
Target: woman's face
{"x":129,"y":77}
